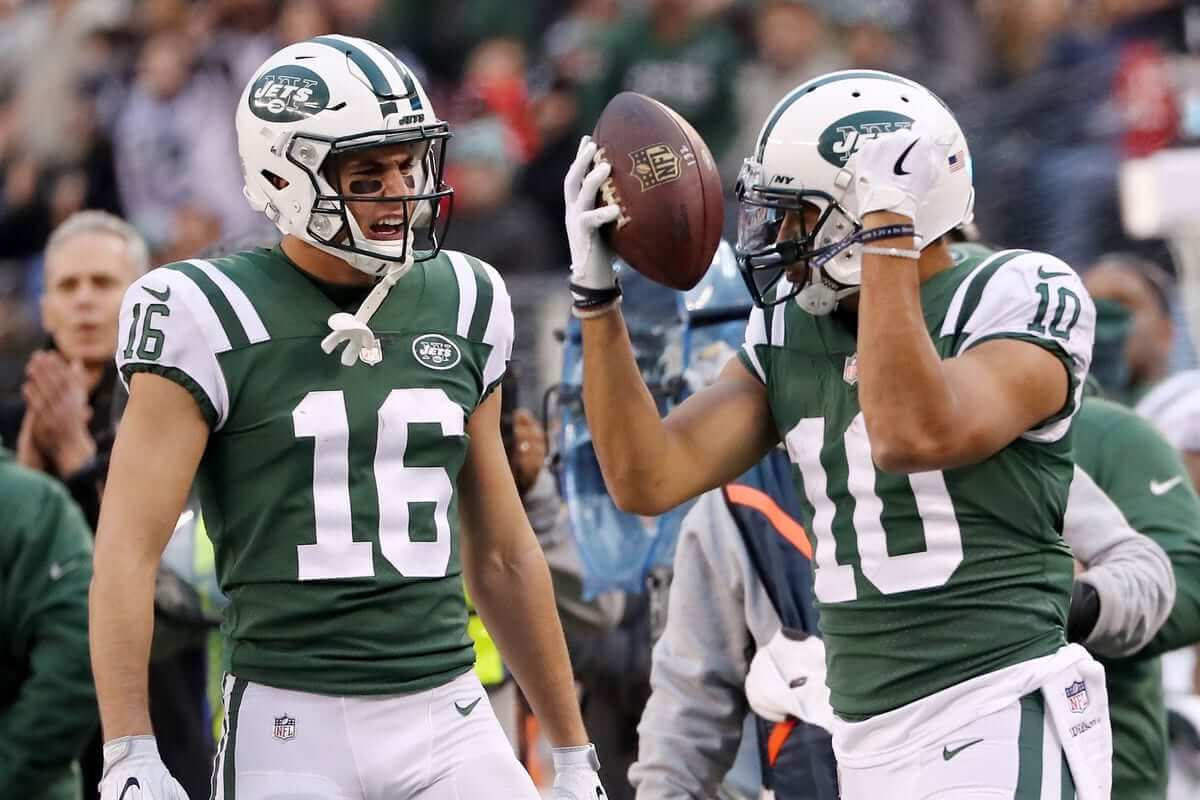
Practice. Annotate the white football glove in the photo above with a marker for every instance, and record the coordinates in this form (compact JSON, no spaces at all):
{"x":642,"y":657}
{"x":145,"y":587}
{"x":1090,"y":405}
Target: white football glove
{"x":787,"y":679}
{"x":575,"y":774}
{"x":896,"y":171}
{"x":591,"y":260}
{"x":133,"y":770}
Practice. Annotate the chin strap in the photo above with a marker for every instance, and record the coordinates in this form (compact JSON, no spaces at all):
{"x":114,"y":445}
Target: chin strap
{"x":361,"y":343}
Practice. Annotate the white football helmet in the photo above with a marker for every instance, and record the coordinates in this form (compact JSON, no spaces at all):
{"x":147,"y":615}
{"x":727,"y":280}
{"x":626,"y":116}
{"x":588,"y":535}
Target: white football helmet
{"x":800,"y":157}
{"x":330,"y":95}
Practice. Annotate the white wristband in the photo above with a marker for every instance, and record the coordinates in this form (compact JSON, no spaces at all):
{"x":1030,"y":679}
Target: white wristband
{"x":894,"y":252}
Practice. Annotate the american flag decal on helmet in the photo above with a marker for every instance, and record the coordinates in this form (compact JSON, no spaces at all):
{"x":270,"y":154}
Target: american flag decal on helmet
{"x":957,"y":161}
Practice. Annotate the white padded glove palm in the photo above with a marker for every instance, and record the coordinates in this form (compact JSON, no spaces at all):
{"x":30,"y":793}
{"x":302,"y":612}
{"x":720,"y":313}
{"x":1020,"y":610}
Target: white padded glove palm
{"x":591,"y":260}
{"x":896,"y":171}
{"x":575,"y":774}
{"x":133,"y":770}
{"x":787,"y":679}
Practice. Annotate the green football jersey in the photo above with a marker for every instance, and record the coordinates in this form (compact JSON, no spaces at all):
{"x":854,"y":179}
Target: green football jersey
{"x":329,"y":492}
{"x":926,"y":580}
{"x":1143,"y":475}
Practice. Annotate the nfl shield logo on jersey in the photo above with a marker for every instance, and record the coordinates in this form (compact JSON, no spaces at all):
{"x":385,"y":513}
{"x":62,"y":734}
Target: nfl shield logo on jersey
{"x":1077,"y":697}
{"x":850,"y":371}
{"x":285,"y":728}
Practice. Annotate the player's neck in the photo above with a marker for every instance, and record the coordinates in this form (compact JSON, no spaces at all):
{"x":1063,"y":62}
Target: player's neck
{"x":935,"y":259}
{"x":321,"y":265}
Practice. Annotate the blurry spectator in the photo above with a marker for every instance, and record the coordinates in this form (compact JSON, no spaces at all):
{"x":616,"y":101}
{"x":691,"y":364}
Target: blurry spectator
{"x":47,"y":700}
{"x":573,"y":55}
{"x":490,"y":222}
{"x":176,"y":160}
{"x":89,"y":261}
{"x":1134,"y":329}
{"x":300,"y":20}
{"x":678,"y":58}
{"x":792,"y":44}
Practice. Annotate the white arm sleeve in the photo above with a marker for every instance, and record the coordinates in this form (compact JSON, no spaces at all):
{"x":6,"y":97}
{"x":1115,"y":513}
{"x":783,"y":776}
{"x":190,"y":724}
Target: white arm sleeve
{"x":1129,"y":571}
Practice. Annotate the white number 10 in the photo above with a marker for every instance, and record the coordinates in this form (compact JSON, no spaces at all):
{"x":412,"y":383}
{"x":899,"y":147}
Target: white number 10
{"x":322,"y":417}
{"x":834,"y":582}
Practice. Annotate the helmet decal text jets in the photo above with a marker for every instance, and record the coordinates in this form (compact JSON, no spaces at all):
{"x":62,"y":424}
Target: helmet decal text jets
{"x":287,"y":94}
{"x":839,"y":141}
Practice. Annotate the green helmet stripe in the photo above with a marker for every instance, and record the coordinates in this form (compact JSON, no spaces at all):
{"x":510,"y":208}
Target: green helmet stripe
{"x":805,"y":88}
{"x":379,"y":82}
{"x":410,"y":84}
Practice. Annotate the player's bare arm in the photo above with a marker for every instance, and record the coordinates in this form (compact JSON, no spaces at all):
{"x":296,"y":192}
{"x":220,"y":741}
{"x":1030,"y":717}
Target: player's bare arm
{"x":650,"y":465}
{"x":926,"y":413}
{"x":158,"y":446}
{"x":509,"y":582}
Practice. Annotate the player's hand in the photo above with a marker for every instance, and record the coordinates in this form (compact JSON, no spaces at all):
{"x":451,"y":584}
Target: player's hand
{"x":575,"y":774}
{"x":133,"y":770}
{"x":896,"y":171}
{"x":591,"y":260}
{"x":787,"y":679}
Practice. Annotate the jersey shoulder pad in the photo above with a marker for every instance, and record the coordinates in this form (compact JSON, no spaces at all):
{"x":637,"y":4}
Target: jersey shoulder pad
{"x":484,"y":312}
{"x":1034,"y":297}
{"x":176,"y":320}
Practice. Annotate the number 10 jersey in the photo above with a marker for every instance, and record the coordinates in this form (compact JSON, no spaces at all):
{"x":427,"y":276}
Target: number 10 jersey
{"x":330,"y":492}
{"x":926,"y":580}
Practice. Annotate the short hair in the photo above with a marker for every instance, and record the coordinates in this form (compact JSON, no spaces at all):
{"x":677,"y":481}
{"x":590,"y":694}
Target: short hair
{"x":93,"y":221}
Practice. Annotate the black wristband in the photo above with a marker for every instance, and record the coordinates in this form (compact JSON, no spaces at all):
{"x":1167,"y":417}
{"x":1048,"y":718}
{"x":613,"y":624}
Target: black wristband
{"x":1084,"y":613}
{"x":587,"y":299}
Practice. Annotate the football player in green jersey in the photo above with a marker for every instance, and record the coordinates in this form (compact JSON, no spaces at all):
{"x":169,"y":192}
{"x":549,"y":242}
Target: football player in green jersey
{"x":1135,"y":468}
{"x":926,"y":403}
{"x":333,"y":468}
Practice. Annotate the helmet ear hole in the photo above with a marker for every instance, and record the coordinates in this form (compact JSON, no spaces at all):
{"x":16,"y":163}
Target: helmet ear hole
{"x":278,"y":181}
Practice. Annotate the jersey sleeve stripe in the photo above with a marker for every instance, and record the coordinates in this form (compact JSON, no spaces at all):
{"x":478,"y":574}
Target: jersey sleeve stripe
{"x":779,"y":315}
{"x":750,"y":359}
{"x":176,"y":375}
{"x":954,"y":312}
{"x":226,"y":316}
{"x":465,"y":276}
{"x":499,"y":332}
{"x":978,"y":282}
{"x":483,"y":302}
{"x":252,"y":323}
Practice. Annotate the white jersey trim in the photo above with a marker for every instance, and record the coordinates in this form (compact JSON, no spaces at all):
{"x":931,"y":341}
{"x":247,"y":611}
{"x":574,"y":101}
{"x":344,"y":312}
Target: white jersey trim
{"x":467,"y":291}
{"x":252,"y":323}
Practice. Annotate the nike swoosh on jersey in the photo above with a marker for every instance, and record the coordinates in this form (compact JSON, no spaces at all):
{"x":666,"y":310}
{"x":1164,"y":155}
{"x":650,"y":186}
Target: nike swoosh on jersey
{"x":1047,"y":275}
{"x":132,"y":783}
{"x":163,"y":295}
{"x":1162,"y":487}
{"x":468,"y":708}
{"x":948,"y":753}
{"x":899,"y":167}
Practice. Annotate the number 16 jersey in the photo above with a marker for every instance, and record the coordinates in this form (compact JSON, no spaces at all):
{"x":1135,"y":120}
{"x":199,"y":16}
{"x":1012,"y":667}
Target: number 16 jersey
{"x":926,"y":580}
{"x":330,"y":492}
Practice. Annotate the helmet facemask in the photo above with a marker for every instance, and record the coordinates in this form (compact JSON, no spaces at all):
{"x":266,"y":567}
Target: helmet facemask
{"x":824,"y":252}
{"x":333,"y":226}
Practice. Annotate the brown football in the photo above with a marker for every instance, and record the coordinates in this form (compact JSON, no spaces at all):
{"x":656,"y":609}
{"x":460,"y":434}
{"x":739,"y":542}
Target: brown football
{"x":665,"y":182}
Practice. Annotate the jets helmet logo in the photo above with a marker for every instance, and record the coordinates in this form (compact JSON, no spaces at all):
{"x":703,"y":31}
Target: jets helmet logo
{"x":436,"y":351}
{"x":288,"y":93}
{"x":841,"y":139}
{"x":657,"y":164}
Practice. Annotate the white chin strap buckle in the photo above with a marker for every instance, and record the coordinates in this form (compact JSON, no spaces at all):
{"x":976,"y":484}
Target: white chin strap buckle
{"x":361,"y":342}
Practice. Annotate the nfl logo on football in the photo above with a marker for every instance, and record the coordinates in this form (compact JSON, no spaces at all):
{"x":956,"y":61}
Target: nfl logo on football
{"x":1077,"y":697}
{"x":285,"y":728}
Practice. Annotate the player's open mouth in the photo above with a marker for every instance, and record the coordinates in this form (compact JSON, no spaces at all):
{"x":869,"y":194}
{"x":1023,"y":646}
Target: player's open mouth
{"x":388,"y":228}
